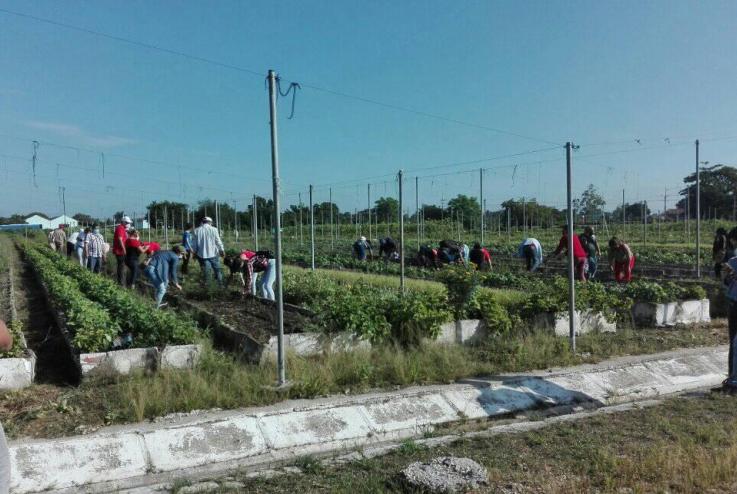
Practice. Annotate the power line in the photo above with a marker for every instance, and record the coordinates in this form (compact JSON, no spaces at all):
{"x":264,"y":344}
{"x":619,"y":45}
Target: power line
{"x":260,"y":74}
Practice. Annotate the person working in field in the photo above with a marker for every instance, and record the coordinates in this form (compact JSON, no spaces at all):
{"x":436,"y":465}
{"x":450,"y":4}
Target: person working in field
{"x":72,"y":242}
{"x":94,"y":249}
{"x":119,"y":238}
{"x":730,"y":281}
{"x":719,"y":251}
{"x":580,"y":259}
{"x":162,"y":270}
{"x":133,"y":250}
{"x":532,"y":252}
{"x":480,"y":257}
{"x":80,"y":247}
{"x":6,"y":343}
{"x":621,"y":260}
{"x":57,"y":239}
{"x":591,"y":246}
{"x":362,"y":249}
{"x":188,"y":247}
{"x":388,"y":249}
{"x":208,"y":248}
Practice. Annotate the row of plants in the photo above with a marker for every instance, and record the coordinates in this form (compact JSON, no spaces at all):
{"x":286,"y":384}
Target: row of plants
{"x":134,"y":314}
{"x":91,"y":326}
{"x":15,"y":326}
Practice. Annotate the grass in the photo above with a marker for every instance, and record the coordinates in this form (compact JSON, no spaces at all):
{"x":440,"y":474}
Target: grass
{"x":684,"y":445}
{"x":220,"y":381}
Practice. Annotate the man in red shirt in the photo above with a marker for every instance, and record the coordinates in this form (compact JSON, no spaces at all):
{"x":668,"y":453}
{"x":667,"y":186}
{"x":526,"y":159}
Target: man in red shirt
{"x":119,"y":238}
{"x":580,"y":258}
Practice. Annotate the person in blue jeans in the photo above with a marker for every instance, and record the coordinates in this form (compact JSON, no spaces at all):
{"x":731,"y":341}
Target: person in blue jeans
{"x":730,"y":281}
{"x":265,"y":284}
{"x":208,"y":247}
{"x":162,"y":270}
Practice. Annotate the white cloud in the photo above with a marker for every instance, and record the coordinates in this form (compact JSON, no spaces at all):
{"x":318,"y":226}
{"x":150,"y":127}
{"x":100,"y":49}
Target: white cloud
{"x":80,"y":135}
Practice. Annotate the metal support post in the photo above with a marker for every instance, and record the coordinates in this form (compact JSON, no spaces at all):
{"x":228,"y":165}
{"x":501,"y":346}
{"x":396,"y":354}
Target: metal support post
{"x":312,"y":232}
{"x":571,"y":278}
{"x":401,"y":233}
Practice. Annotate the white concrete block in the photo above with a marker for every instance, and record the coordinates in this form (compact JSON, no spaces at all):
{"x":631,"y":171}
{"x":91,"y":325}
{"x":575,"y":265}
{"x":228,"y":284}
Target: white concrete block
{"x":584,"y":322}
{"x":410,"y":413}
{"x":308,"y":344}
{"x":120,"y":361}
{"x":180,"y":356}
{"x":302,"y":428}
{"x":200,"y":444}
{"x":461,"y":331}
{"x":345,"y":342}
{"x":488,"y":401}
{"x":672,"y":313}
{"x":17,"y":372}
{"x":75,"y":461}
{"x":447,"y":333}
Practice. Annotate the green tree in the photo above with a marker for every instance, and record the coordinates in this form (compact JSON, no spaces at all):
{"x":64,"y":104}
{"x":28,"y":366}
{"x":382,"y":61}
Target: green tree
{"x":718,"y":191}
{"x":387,"y":209}
{"x":632,"y":212}
{"x":464,"y":207}
{"x":591,"y":204}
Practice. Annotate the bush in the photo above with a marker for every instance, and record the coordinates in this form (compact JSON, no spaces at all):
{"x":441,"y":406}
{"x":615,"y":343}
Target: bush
{"x":461,"y":283}
{"x":496,"y":316}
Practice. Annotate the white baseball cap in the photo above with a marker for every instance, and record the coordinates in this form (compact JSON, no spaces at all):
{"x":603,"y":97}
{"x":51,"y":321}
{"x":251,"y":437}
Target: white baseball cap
{"x":207,"y":219}
{"x":126,"y":219}
{"x":363,"y":239}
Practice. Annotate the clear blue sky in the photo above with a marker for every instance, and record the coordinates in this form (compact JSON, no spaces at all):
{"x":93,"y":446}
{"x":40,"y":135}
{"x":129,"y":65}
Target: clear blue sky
{"x":601,"y":74}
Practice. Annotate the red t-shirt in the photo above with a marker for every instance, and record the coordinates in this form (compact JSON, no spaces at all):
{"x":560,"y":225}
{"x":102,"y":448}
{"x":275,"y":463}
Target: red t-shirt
{"x":132,"y":243}
{"x":577,"y":247}
{"x":153,"y":247}
{"x":487,"y":256}
{"x":119,"y":238}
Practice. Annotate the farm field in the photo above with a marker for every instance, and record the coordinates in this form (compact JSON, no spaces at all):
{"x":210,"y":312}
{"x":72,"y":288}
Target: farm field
{"x":400,"y":328}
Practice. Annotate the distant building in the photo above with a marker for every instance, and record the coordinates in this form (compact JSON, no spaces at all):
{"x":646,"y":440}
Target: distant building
{"x":51,"y":223}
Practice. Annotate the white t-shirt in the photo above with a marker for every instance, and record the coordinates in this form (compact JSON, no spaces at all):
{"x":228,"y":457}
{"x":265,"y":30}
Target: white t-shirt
{"x":72,"y":239}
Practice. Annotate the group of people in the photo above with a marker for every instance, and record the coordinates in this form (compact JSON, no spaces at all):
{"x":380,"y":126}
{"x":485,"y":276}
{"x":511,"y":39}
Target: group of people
{"x":586,"y":255}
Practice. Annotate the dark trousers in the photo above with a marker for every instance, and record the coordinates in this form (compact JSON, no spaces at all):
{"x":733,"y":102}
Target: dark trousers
{"x":70,"y":249}
{"x":731,"y":367}
{"x":121,"y":270}
{"x":185,"y":263}
{"x":133,"y":271}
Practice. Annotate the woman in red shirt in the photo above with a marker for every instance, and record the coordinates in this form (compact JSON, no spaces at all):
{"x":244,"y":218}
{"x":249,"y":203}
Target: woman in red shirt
{"x":580,"y":258}
{"x":133,"y":249}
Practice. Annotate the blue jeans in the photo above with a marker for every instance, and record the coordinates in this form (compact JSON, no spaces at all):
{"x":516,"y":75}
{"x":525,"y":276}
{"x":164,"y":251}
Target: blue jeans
{"x":94,"y":264}
{"x":158,"y":283}
{"x":265,"y":286}
{"x":80,"y":256}
{"x":206,"y":264}
{"x":593,"y":265}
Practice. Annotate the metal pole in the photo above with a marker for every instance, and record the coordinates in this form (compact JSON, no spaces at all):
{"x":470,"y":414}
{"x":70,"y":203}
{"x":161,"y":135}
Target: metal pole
{"x":255,"y":220}
{"x":312,"y":232}
{"x":417,"y":209}
{"x":301,"y":238}
{"x":698,"y":213}
{"x":277,"y":231}
{"x":332,"y":236}
{"x":524,"y":217}
{"x":571,"y":279}
{"x":64,"y":202}
{"x":149,"y":225}
{"x":624,"y":219}
{"x":481,"y":202}
{"x":644,"y":224}
{"x":369,"y":211}
{"x":401,"y":234}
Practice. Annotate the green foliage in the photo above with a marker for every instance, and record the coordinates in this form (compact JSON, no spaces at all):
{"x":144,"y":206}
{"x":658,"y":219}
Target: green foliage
{"x":134,"y":314}
{"x":497,"y":317}
{"x":461,"y":283}
{"x":662,"y":292}
{"x":18,"y":349}
{"x":91,"y":325}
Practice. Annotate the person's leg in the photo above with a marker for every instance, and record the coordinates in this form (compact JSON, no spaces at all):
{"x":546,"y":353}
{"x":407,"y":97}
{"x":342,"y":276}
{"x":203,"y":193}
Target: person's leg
{"x":215,"y":263}
{"x":95,"y":264}
{"x":205,"y":269}
{"x":4,"y":464}
{"x":618,"y":271}
{"x":732,"y":322}
{"x":185,"y":264}
{"x":80,"y":256}
{"x":269,"y":279}
{"x":630,"y":267}
{"x":120,"y":270}
{"x":160,"y":292}
{"x":593,"y":265}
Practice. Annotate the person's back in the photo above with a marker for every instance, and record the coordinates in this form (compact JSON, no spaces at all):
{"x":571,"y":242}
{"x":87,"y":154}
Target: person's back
{"x":207,"y":243}
{"x":476,"y":255}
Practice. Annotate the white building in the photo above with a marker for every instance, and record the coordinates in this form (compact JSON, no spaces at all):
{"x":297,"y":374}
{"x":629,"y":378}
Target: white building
{"x":51,"y":223}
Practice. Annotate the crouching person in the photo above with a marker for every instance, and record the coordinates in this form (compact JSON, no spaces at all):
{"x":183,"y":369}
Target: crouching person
{"x":162,"y":270}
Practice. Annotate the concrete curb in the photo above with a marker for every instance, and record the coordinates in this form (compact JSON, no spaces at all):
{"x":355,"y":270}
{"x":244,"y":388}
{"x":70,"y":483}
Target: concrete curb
{"x":198,"y":446}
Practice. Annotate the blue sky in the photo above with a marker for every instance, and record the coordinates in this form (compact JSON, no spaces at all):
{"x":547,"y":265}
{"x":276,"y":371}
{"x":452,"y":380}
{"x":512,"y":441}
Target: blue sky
{"x":601,"y":74}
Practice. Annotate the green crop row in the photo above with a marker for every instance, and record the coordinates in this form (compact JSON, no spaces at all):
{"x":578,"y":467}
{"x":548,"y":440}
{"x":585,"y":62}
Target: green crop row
{"x":134,"y":314}
{"x":92,"y":327}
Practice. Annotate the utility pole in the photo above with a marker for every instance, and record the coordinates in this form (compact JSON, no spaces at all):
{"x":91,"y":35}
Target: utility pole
{"x":624,"y":218}
{"x":417,"y":209}
{"x":698,"y":213}
{"x":64,"y":202}
{"x":166,"y":227}
{"x":482,"y":202}
{"x":255,"y":221}
{"x":524,"y":217}
{"x":301,"y":239}
{"x":571,"y":279}
{"x":332,"y":236}
{"x":312,"y":232}
{"x":644,"y":223}
{"x":369,"y":211}
{"x":401,"y":233}
{"x":282,"y":378}
{"x":149,"y":225}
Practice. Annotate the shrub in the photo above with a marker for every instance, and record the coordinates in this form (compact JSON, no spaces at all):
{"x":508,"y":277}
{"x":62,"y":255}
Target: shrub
{"x":461,"y":283}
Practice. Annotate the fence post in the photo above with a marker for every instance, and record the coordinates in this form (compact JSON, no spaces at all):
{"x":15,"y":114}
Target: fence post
{"x":401,"y":234}
{"x":571,"y":278}
{"x":312,"y":232}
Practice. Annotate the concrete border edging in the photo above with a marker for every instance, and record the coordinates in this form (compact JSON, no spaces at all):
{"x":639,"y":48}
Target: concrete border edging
{"x":200,"y":445}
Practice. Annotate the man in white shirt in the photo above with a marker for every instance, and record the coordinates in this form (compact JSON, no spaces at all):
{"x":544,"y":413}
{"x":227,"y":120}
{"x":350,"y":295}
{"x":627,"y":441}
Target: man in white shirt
{"x":208,"y":248}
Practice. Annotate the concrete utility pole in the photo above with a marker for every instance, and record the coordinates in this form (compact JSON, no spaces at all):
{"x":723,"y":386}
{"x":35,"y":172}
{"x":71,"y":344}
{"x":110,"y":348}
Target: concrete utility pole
{"x":255,"y":221}
{"x":282,"y":378}
{"x":312,"y":232}
{"x":571,"y":278}
{"x":417,"y":209}
{"x":624,"y":218}
{"x":166,"y":227}
{"x":332,"y":236}
{"x":698,"y":213}
{"x":482,"y":202}
{"x":301,"y":238}
{"x":401,"y":232}
{"x":369,"y":211}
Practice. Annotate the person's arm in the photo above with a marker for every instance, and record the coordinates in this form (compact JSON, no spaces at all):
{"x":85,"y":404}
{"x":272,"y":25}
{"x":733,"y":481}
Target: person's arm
{"x":6,"y":339}
{"x":173,"y":263}
{"x":249,"y":275}
{"x":119,"y":240}
{"x":219,"y":243}
{"x":561,"y":246}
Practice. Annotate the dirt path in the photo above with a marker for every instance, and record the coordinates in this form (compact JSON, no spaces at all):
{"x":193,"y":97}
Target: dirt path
{"x":54,"y":364}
